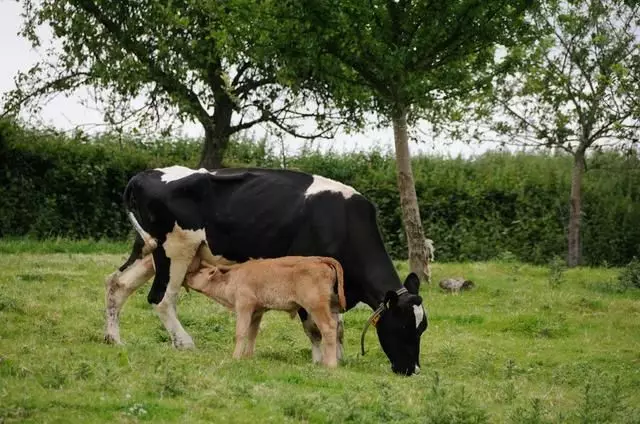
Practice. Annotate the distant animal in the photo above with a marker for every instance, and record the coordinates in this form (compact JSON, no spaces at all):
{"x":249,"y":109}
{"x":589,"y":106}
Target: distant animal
{"x":241,"y":213}
{"x":286,"y":284}
{"x":456,"y":285}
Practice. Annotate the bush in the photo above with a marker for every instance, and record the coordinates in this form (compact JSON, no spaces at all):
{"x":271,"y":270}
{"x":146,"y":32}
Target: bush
{"x":629,"y":277}
{"x":71,"y":186}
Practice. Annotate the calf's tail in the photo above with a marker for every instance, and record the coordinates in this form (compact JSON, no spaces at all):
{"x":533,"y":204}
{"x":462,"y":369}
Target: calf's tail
{"x":339,"y":279}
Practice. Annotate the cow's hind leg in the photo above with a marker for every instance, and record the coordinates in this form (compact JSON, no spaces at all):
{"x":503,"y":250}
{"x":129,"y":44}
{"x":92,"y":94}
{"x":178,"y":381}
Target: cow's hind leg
{"x":118,"y":287}
{"x":172,"y":261}
{"x":163,"y":297}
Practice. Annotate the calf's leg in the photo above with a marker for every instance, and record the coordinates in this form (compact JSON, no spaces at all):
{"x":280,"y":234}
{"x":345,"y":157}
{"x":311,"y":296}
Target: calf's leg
{"x":244,"y":314}
{"x":327,"y":325}
{"x":253,"y":333}
{"x":313,"y":333}
{"x":315,"y":336}
{"x":118,"y":287}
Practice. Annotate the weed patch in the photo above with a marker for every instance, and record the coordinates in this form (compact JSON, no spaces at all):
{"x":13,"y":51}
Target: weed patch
{"x":539,"y":326}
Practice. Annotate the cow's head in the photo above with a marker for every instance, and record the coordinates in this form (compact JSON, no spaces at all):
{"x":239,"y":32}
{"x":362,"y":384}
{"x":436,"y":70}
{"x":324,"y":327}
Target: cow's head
{"x":400,"y":322}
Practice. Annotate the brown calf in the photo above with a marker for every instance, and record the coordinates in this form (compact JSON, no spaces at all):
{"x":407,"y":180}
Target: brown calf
{"x":286,"y":284}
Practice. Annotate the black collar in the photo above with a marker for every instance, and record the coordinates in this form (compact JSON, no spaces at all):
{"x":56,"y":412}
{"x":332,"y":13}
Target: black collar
{"x":375,"y":317}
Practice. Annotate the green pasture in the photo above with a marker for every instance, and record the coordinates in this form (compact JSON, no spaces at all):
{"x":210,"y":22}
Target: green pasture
{"x":526,"y":346}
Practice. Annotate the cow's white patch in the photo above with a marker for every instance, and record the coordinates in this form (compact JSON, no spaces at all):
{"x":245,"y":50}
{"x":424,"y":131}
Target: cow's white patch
{"x":176,"y":172}
{"x":180,"y":246}
{"x":321,"y":184}
{"x":419,"y":313}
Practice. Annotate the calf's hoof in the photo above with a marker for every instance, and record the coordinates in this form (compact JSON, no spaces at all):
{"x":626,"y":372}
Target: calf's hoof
{"x":112,"y":340}
{"x":331,"y":364}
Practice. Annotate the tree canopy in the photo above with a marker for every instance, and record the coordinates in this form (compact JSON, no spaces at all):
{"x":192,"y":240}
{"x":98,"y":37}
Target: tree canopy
{"x":185,"y":59}
{"x":576,"y":88}
{"x":401,"y":59}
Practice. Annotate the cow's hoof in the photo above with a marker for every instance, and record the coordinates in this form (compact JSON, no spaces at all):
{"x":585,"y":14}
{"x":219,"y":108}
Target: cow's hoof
{"x":184,"y":344}
{"x":340,"y":353}
{"x":112,"y":340}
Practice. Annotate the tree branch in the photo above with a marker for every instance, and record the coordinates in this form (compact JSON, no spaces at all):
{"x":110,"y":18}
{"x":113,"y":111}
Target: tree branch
{"x":168,"y":82}
{"x":16,"y":100}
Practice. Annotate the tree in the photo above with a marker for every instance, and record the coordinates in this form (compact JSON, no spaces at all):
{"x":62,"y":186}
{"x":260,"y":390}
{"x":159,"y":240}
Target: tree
{"x":399,"y":59}
{"x":576,"y":89}
{"x":149,"y":59}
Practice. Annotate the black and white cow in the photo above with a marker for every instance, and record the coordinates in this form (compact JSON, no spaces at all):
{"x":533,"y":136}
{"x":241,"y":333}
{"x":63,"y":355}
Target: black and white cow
{"x":237,"y":214}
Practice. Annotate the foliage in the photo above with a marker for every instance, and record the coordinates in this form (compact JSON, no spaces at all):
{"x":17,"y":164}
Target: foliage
{"x":575,"y":88}
{"x":630,"y":275}
{"x":400,"y":60}
{"x":395,"y":57}
{"x":557,"y":269}
{"x":54,"y":366}
{"x":152,"y":63}
{"x":71,"y":187}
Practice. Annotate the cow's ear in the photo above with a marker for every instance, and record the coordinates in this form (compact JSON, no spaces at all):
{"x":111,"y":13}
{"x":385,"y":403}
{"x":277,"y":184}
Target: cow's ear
{"x":412,"y":283}
{"x":391,"y":299}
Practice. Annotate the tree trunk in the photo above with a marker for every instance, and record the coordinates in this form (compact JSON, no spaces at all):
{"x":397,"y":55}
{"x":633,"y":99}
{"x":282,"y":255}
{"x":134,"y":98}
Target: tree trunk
{"x":215,"y":144}
{"x":217,"y":131}
{"x":418,"y":258}
{"x":575,"y":209}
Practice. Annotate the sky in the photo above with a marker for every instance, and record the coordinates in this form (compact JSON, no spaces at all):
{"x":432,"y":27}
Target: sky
{"x":67,"y":112}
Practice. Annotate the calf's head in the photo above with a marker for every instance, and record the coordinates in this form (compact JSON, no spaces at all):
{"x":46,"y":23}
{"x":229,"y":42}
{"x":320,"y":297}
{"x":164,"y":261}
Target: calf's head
{"x":400,"y":322}
{"x":204,"y":278}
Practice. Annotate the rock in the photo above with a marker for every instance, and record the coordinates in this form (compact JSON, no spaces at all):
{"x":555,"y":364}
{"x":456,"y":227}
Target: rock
{"x":456,"y":285}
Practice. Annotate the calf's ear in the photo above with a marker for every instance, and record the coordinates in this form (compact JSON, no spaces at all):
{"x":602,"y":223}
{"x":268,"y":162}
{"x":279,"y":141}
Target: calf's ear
{"x":412,"y":283}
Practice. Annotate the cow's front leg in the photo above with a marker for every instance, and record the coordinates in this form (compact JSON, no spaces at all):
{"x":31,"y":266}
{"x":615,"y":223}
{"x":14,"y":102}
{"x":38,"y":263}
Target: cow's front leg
{"x":118,"y":287}
{"x":340,"y":334}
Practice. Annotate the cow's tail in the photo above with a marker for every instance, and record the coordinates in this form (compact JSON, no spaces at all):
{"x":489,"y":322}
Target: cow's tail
{"x":339,"y":279}
{"x":150,"y":243}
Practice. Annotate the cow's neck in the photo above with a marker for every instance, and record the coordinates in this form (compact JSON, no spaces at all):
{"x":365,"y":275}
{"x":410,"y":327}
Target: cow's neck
{"x":376,"y":283}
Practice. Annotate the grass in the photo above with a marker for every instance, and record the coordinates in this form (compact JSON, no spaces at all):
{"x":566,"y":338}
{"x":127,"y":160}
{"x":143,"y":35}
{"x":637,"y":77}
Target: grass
{"x":519,"y":348}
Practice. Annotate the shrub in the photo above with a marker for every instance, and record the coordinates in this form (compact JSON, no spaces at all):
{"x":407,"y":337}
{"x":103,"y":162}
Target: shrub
{"x":629,"y":277}
{"x":52,"y":185}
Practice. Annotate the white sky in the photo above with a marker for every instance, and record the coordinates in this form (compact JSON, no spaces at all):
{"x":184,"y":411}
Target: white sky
{"x":67,"y":113}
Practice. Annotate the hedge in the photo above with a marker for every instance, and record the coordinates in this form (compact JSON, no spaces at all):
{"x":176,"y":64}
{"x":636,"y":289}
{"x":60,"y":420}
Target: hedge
{"x":53,"y":185}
